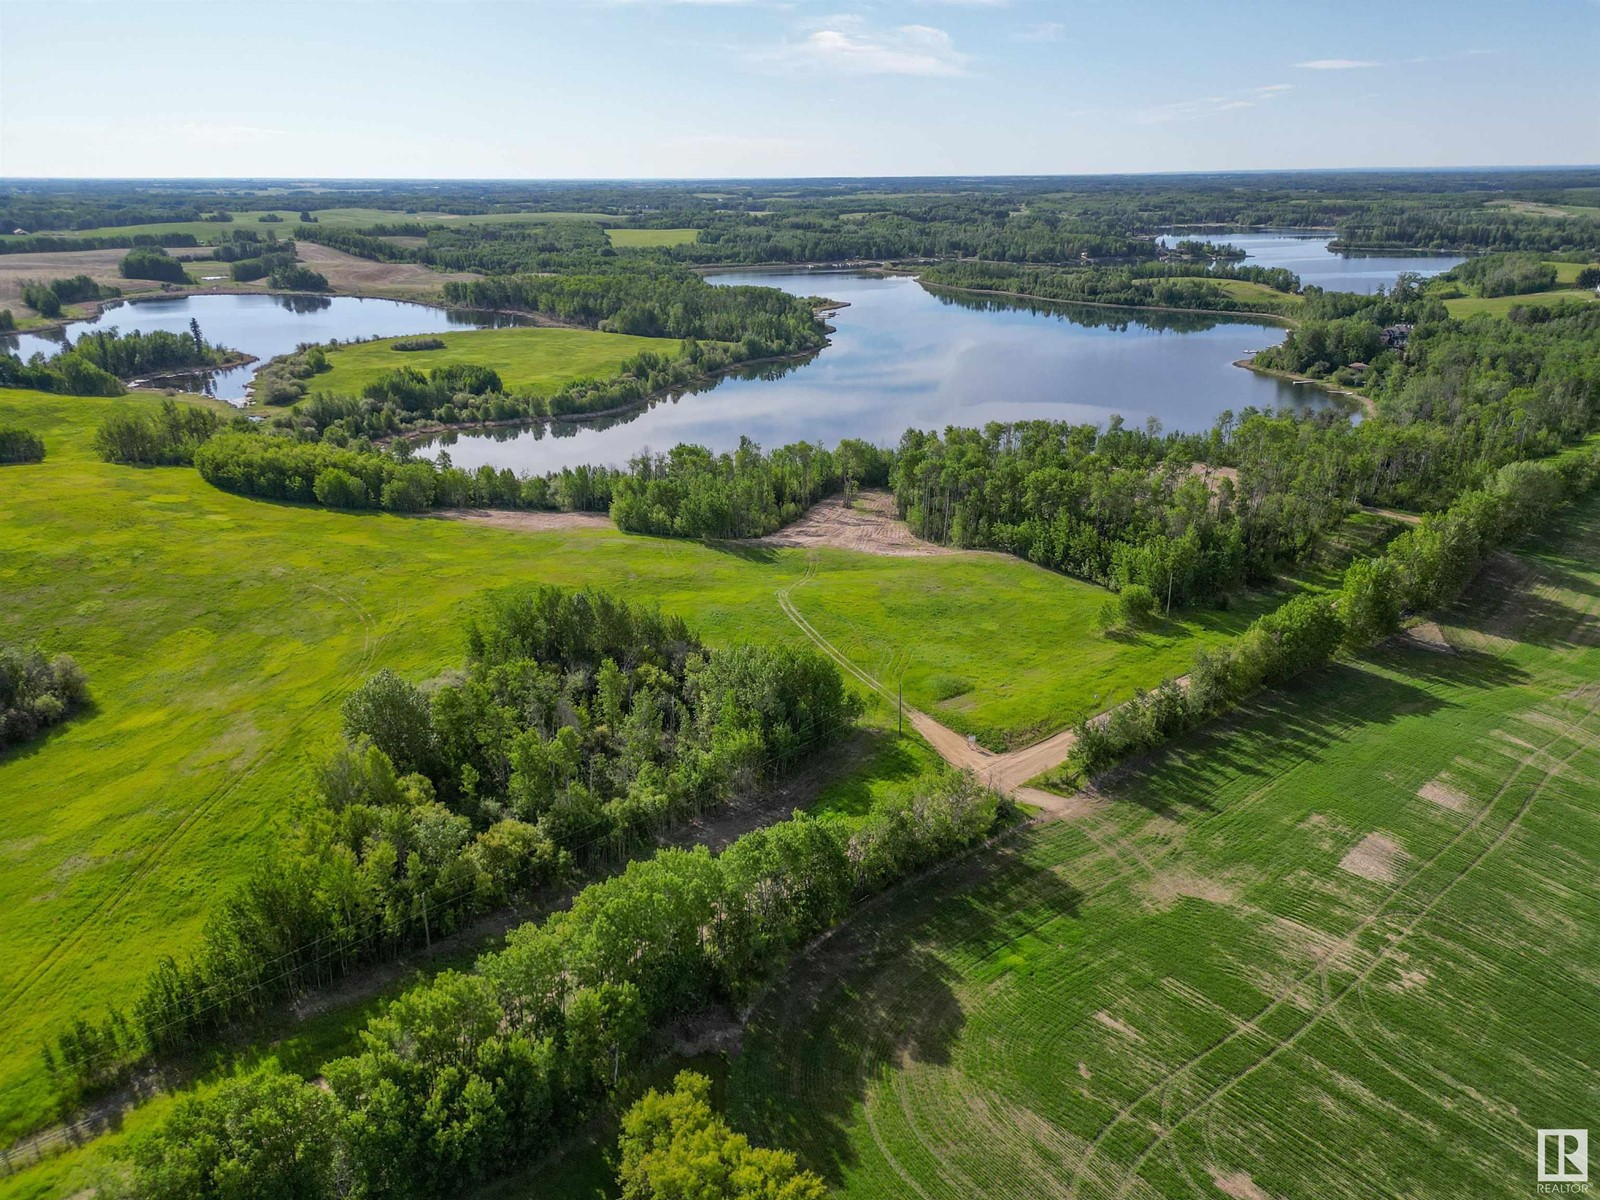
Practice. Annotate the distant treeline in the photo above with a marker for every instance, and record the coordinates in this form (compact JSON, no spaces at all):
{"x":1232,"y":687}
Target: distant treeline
{"x":1156,"y":284}
{"x":46,"y":299}
{"x":1504,"y":274}
{"x":40,"y":244}
{"x":581,"y":726}
{"x":758,"y":322}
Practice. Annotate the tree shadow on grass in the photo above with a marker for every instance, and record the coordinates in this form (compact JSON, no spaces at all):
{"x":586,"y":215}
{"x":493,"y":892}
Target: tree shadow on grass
{"x":881,"y":995}
{"x":1299,"y":721}
{"x":1536,"y":618}
{"x":37,"y":743}
{"x":749,"y":551}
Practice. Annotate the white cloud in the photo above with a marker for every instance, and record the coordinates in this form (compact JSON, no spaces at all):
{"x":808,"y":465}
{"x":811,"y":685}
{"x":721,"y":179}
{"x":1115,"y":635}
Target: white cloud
{"x":1209,"y":106}
{"x":1049,"y":31}
{"x":1338,"y":64}
{"x":849,"y":46}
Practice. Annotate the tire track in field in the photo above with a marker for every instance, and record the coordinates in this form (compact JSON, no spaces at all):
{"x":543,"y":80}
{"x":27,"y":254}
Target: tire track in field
{"x":1382,"y":956}
{"x":1282,"y":995}
{"x":111,"y":901}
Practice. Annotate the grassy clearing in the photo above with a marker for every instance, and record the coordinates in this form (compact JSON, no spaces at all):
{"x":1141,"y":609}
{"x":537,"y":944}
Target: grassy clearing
{"x":534,"y":359}
{"x":1347,"y":937}
{"x":1471,"y":306}
{"x":652,"y":237}
{"x":219,"y":634}
{"x":1256,"y":293}
{"x":1011,"y":673}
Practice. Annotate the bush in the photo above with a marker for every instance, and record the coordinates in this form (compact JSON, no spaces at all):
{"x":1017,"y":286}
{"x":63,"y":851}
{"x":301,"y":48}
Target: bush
{"x":340,"y":489}
{"x":1137,"y":604}
{"x":168,"y":436}
{"x":36,"y":692}
{"x":421,"y":343}
{"x":151,"y":262}
{"x":18,"y":445}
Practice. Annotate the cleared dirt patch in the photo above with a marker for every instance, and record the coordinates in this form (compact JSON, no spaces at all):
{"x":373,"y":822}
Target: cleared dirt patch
{"x":347,"y":273}
{"x":869,"y":526}
{"x":98,"y":265}
{"x":1375,"y":857}
{"x":1426,"y":636}
{"x":1116,"y":1026}
{"x":1237,"y":1184}
{"x":526,"y":522}
{"x":1168,"y":887}
{"x":1438,"y":792}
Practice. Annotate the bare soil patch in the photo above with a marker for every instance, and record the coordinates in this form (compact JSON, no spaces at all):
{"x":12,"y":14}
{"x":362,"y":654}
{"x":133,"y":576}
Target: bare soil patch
{"x":868,"y":526}
{"x":1375,"y":857}
{"x":1168,"y":887}
{"x":1438,"y":792}
{"x":1116,"y":1026}
{"x":1426,"y":636}
{"x":526,"y":522}
{"x":1237,"y":1184}
{"x":347,"y":273}
{"x":98,"y":265}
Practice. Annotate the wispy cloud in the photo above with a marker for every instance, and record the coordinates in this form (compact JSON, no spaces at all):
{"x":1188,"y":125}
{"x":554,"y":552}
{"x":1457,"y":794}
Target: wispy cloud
{"x":1045,"y":31}
{"x":849,"y":46}
{"x":1209,"y":106}
{"x":1338,"y":64}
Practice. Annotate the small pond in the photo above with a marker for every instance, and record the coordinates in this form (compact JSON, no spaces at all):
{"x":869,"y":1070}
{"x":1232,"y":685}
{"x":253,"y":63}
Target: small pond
{"x":262,"y":325}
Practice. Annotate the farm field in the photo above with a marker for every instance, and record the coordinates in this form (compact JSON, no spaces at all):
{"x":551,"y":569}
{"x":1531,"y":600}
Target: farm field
{"x":1347,"y":936}
{"x":527,"y":358}
{"x":652,"y":237}
{"x":219,"y":634}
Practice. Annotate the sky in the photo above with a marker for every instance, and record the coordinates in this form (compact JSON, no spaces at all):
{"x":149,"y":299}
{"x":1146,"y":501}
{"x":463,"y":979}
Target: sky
{"x":604,"y":89}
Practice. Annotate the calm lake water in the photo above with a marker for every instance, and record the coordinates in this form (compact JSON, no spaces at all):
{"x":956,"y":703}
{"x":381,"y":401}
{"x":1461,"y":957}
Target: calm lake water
{"x":902,"y":356}
{"x":1308,"y":256}
{"x":264,"y":326}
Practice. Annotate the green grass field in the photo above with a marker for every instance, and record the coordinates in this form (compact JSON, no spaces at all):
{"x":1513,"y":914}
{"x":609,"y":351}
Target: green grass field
{"x":219,"y":634}
{"x":1566,"y":277}
{"x":1341,"y":945}
{"x":1257,"y":293}
{"x":652,"y":237}
{"x":534,"y":359}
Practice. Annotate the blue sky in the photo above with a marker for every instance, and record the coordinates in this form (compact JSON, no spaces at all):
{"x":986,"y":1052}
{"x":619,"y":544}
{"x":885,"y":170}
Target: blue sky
{"x":697,"y":88}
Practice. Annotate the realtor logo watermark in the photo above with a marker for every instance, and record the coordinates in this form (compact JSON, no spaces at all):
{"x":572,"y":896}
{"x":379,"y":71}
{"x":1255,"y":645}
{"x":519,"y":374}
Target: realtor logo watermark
{"x":1563,"y":1162}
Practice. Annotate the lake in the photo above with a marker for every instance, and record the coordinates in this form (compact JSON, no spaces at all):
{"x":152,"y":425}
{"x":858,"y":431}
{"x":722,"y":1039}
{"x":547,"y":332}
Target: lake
{"x":262,"y":325}
{"x":902,"y":356}
{"x":1307,"y":255}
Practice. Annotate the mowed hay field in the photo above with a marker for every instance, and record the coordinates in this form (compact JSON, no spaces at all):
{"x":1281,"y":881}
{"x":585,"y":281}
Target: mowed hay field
{"x":652,"y":237}
{"x":219,"y":635}
{"x":1344,"y":945}
{"x":527,"y":358}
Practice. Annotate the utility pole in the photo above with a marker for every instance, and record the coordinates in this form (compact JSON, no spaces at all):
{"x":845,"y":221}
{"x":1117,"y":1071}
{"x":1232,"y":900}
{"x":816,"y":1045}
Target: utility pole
{"x":427,"y":936}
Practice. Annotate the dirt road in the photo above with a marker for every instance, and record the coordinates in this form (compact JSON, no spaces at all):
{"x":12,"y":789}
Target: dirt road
{"x":1007,"y":773}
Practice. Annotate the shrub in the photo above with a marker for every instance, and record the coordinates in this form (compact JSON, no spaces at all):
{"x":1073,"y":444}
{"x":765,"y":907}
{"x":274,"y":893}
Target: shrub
{"x":152,"y":262}
{"x":340,"y":489}
{"x":421,"y":343}
{"x":19,"y":445}
{"x":36,"y":692}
